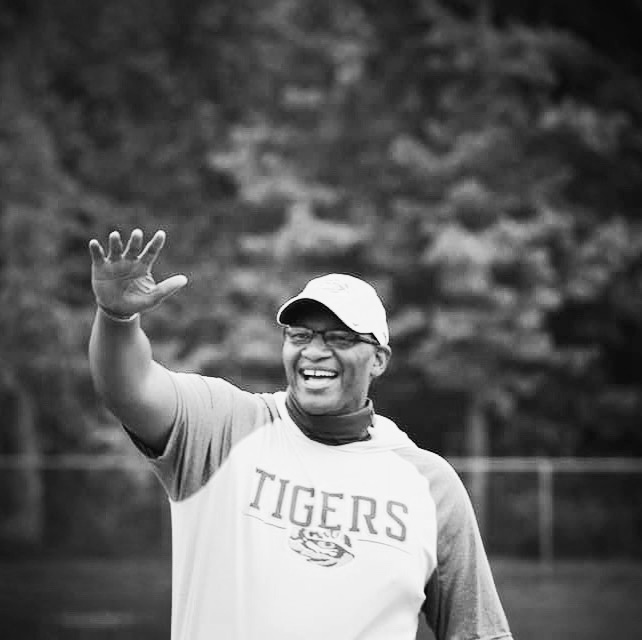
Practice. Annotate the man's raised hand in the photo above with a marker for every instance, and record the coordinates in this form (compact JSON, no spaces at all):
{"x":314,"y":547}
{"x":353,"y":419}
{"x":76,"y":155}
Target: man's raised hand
{"x":122,"y":280}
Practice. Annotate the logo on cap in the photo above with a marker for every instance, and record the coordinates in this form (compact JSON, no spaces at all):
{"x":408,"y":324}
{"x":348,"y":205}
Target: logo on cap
{"x":332,"y":285}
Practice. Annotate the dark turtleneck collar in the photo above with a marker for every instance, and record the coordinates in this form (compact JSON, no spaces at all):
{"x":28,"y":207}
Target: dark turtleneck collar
{"x":332,"y":429}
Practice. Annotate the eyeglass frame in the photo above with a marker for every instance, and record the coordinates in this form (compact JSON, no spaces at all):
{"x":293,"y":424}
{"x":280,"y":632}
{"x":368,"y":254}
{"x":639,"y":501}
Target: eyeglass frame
{"x":354,"y":337}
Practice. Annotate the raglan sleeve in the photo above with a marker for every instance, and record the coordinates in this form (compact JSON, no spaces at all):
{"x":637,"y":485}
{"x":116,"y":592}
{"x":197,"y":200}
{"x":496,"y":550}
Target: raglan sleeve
{"x":462,"y":602}
{"x":211,"y":416}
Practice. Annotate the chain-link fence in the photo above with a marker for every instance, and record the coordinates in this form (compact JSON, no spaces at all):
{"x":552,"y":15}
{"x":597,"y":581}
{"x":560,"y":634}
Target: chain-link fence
{"x":544,"y":508}
{"x":557,"y":507}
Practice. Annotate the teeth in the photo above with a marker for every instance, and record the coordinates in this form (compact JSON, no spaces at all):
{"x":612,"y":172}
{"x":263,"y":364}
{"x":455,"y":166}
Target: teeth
{"x":318,"y":373}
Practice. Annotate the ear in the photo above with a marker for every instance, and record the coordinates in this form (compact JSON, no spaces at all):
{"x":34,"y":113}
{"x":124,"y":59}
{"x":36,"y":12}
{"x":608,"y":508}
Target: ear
{"x":381,"y":359}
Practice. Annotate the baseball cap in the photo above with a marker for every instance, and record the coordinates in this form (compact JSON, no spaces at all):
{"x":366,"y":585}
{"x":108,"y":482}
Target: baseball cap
{"x":351,"y":299}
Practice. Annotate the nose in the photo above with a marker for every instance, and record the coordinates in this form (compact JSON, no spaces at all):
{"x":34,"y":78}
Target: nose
{"x":316,"y":348}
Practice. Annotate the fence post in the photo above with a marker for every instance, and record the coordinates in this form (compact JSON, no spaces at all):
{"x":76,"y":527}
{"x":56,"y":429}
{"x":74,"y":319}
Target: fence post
{"x":545,"y":510}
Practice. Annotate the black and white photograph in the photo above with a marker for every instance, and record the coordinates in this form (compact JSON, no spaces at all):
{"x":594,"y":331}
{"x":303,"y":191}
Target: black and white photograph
{"x":320,"y":320}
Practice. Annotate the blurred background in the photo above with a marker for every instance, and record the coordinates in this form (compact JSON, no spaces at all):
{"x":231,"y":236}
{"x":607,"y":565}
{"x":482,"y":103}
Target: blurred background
{"x":480,"y":162}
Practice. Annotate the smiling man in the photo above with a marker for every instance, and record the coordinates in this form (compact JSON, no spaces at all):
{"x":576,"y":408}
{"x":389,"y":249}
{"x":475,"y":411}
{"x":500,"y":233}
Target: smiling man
{"x":335,"y":344}
{"x":301,"y":513}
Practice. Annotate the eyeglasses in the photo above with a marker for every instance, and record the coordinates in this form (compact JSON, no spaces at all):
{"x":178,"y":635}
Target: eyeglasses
{"x":333,"y":338}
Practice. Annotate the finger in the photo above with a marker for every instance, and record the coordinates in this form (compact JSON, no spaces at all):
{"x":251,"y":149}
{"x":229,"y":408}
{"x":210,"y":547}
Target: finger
{"x":96,"y":252}
{"x":170,"y":286}
{"x":115,"y":246}
{"x":134,"y":245}
{"x":151,"y":251}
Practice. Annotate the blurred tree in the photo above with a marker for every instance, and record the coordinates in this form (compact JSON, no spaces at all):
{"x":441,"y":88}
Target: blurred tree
{"x":493,"y":177}
{"x":40,"y":337}
{"x":611,"y":30}
{"x":482,"y":169}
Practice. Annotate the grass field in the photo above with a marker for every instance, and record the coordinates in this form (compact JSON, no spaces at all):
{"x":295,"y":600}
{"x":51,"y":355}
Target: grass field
{"x":93,"y":599}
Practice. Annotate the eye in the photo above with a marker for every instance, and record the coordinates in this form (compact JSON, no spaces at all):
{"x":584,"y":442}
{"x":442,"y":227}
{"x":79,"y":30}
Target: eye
{"x":324,"y":544}
{"x":298,"y":335}
{"x":340,"y":339}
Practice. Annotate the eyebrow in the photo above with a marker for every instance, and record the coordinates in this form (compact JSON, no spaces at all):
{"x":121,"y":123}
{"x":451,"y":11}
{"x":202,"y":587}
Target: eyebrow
{"x":334,"y":327}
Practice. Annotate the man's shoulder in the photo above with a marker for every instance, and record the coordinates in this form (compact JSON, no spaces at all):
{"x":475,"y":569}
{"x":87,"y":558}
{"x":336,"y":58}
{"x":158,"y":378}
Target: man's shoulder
{"x":433,"y":466}
{"x":217,"y":386}
{"x":212,"y":405}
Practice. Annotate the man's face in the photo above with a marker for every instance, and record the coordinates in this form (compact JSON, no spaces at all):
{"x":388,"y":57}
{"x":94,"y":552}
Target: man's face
{"x":325,"y":380}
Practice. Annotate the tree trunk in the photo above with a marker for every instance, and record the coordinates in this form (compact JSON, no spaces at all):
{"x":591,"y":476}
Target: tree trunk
{"x":22,"y":489}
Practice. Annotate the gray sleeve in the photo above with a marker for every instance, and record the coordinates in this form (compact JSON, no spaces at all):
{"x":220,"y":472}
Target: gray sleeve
{"x":212,"y":415}
{"x":462,"y":602}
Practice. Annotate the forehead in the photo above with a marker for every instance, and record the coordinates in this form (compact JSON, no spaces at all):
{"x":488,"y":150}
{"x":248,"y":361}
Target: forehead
{"x":314,"y":315}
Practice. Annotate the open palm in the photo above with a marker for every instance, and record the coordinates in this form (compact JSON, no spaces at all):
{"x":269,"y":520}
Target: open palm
{"x":122,"y":280}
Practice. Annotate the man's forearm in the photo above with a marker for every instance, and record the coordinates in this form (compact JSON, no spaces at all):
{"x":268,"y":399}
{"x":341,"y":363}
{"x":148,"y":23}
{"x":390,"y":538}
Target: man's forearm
{"x":120,"y":358}
{"x":135,"y":388}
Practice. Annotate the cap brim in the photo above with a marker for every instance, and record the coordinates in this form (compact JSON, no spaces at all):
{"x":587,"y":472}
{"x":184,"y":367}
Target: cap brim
{"x":291,"y":306}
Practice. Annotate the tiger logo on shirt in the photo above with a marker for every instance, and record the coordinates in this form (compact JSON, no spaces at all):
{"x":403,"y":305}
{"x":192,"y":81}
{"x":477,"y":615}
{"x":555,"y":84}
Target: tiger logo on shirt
{"x":322,"y":547}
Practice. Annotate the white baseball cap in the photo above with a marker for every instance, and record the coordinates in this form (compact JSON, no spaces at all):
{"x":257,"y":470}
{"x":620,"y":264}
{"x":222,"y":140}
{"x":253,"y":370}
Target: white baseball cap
{"x":351,"y":299}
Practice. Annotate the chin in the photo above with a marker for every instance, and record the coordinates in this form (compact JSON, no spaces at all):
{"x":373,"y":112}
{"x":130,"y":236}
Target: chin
{"x":317,"y":406}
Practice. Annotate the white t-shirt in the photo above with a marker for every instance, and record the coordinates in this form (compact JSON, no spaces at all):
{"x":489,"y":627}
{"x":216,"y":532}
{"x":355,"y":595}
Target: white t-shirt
{"x":278,"y":537}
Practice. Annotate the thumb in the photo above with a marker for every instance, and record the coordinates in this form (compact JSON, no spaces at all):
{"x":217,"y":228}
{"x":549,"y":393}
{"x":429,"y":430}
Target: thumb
{"x":169,"y":287}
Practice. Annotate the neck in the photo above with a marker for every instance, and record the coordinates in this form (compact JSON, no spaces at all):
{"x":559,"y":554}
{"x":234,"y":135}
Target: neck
{"x":332,"y":429}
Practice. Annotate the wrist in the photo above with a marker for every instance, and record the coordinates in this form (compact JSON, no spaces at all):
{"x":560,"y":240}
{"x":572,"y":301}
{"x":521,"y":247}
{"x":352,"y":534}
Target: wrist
{"x":117,"y":317}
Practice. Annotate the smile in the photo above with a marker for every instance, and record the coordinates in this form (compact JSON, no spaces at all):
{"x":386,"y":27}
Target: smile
{"x":318,"y":374}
